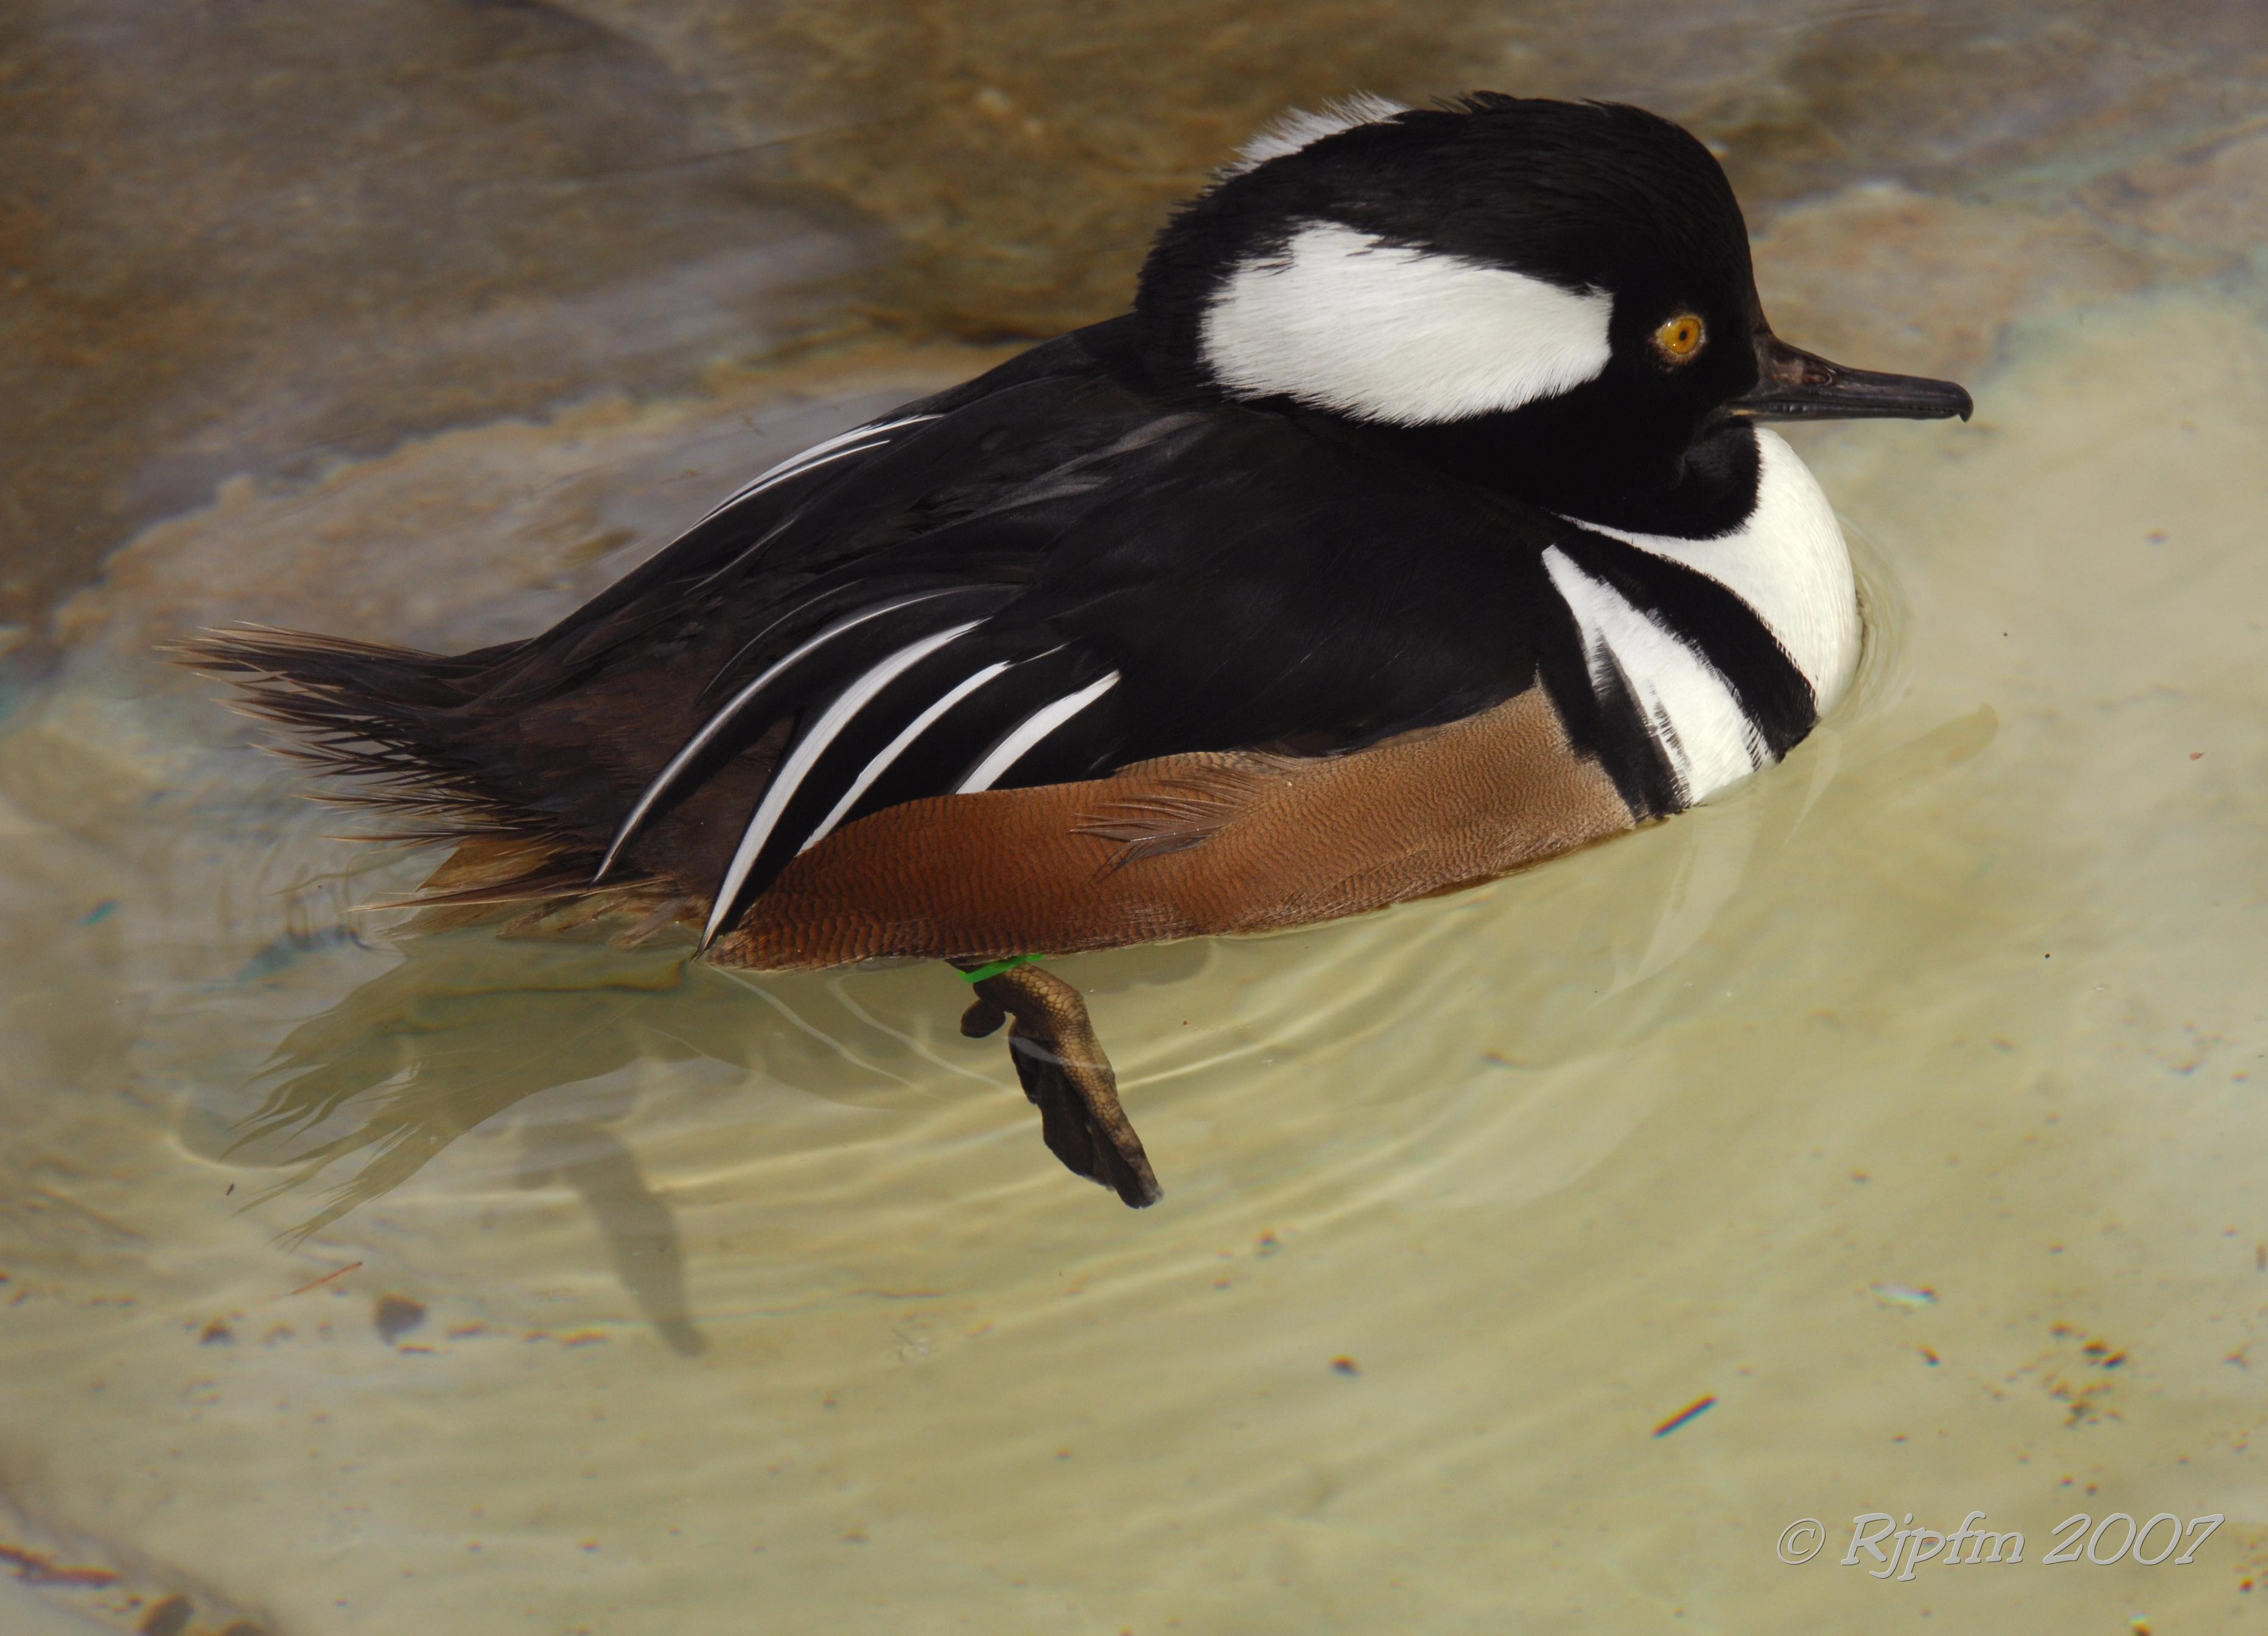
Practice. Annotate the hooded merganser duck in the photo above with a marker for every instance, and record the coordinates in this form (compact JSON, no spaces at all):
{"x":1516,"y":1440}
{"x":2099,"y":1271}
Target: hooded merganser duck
{"x":1416,"y":525}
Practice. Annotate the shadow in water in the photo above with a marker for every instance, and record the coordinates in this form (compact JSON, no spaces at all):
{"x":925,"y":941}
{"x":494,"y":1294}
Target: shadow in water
{"x":641,"y":1233}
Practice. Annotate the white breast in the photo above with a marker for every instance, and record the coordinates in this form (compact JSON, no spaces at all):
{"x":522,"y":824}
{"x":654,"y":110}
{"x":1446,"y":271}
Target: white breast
{"x":1787,"y":562}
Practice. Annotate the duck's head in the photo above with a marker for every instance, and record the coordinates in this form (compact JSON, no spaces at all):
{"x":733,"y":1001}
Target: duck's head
{"x":1554,"y":298}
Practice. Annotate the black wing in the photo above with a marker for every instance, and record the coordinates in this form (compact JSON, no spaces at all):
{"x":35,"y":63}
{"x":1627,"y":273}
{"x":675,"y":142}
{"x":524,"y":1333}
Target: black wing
{"x":1048,"y":573}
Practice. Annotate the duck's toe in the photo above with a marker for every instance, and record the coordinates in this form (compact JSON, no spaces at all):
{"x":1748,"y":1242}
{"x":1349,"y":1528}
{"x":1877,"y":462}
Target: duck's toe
{"x":982,"y":1019}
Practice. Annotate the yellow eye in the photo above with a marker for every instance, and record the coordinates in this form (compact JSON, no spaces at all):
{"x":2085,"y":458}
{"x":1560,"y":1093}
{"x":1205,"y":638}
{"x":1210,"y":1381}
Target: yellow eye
{"x":1680,"y":338}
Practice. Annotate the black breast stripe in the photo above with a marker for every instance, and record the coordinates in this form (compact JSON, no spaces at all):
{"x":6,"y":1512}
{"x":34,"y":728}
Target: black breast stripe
{"x":1770,"y":691}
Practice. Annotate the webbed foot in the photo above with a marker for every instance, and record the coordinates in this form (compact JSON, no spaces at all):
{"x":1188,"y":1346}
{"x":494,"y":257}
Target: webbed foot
{"x":1066,"y":1076}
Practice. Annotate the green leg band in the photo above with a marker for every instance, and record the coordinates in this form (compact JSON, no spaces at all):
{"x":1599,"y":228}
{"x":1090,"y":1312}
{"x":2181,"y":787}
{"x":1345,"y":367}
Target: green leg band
{"x":995,"y":967}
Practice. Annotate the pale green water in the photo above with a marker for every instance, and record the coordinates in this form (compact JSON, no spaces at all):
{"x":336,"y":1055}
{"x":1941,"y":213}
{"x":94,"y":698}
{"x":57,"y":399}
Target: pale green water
{"x":1865,"y":1100}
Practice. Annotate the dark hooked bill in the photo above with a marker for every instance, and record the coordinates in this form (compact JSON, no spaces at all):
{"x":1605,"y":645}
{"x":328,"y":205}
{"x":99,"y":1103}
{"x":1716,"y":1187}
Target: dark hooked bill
{"x":1795,"y":385}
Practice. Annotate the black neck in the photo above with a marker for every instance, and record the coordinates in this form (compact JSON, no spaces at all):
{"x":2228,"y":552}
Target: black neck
{"x":1588,"y":464}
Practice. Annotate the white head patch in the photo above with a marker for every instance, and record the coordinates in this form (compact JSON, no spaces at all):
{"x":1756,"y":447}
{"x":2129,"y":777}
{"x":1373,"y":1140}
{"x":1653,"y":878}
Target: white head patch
{"x":1387,"y":332}
{"x":1295,"y":130}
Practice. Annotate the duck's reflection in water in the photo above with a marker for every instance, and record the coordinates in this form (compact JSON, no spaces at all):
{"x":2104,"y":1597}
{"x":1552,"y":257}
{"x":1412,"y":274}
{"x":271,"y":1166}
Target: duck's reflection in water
{"x":467,"y":1026}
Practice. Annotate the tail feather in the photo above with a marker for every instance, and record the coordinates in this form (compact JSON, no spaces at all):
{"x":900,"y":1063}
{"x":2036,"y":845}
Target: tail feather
{"x":304,"y":659}
{"x":382,"y":715}
{"x":396,"y":720}
{"x":468,"y":750}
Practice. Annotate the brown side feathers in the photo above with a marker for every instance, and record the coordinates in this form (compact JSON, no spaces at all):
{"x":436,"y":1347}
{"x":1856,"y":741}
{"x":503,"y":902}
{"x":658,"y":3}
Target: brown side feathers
{"x":1187,"y":846}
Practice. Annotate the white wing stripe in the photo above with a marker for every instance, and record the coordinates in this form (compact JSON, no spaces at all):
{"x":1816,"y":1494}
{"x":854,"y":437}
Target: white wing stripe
{"x":1037,"y":726}
{"x":812,"y":456}
{"x":806,"y":754}
{"x":896,"y":748}
{"x":716,"y":724}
